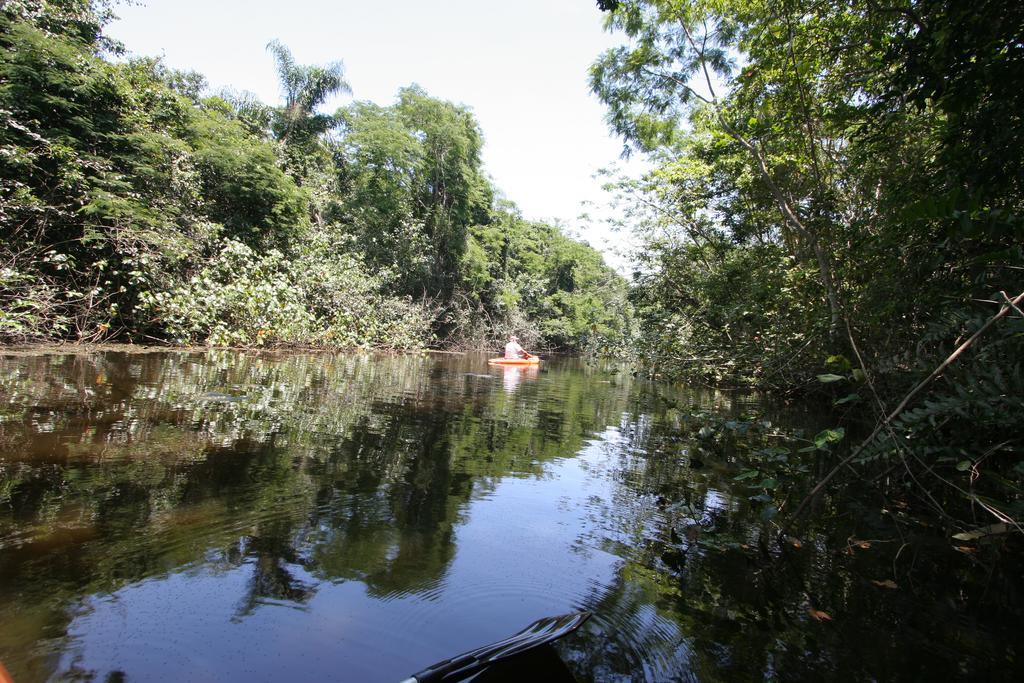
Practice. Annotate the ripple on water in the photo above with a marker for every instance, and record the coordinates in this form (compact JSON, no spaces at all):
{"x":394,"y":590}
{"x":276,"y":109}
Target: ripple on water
{"x":639,"y":640}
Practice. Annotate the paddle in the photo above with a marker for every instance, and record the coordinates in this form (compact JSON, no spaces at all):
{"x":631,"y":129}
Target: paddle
{"x":538,"y":633}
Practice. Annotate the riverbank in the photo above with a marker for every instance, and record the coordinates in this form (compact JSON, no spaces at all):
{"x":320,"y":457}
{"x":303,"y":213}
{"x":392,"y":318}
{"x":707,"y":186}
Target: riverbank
{"x":43,"y":348}
{"x":76,"y":348}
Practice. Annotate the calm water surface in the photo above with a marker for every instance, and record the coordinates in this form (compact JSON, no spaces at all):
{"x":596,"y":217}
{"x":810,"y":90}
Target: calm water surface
{"x":221,"y":516}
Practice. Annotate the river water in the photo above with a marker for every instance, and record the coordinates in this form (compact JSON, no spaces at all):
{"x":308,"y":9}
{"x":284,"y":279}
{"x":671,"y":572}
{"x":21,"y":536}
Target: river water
{"x":221,"y":516}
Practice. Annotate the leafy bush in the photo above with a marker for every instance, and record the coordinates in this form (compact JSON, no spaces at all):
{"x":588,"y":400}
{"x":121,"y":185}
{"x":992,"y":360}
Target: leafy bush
{"x":729,"y":314}
{"x":111,"y":182}
{"x":965,"y":429}
{"x":241,"y":298}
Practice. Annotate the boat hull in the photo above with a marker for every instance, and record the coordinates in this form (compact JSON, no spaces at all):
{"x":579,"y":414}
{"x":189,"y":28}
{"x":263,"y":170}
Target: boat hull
{"x":514,"y":361}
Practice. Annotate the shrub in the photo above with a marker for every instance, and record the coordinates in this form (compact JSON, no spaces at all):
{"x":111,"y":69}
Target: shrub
{"x":319,"y":298}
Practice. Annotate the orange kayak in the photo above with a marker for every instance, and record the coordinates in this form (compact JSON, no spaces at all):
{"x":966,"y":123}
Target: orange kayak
{"x":515,"y":361}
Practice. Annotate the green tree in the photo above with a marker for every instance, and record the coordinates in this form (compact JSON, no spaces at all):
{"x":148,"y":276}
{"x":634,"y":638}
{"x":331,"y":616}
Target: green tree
{"x":136,"y":205}
{"x":831,"y":199}
{"x":451,"y":192}
{"x":415,"y":182}
{"x":379,"y":160}
{"x":112,"y":180}
{"x":305,"y":88}
{"x":677,"y":63}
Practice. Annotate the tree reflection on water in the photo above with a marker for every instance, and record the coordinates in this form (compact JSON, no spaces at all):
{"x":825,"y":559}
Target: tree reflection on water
{"x":368,"y":515}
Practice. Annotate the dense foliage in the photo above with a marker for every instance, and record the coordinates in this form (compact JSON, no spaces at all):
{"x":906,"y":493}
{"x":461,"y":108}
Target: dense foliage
{"x":136,"y":205}
{"x":837,"y":203}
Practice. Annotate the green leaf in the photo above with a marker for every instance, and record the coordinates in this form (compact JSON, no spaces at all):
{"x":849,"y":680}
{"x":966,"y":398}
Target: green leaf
{"x":840,"y":362}
{"x":827,"y":436}
{"x":829,"y":377}
{"x":849,"y":398}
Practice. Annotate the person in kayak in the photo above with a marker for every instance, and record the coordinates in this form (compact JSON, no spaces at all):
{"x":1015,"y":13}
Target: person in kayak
{"x":513,"y":350}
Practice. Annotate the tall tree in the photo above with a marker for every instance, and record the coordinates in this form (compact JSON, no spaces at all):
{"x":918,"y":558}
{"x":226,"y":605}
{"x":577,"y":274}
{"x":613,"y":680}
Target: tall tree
{"x":416,"y":181}
{"x":452,"y":193}
{"x":305,"y":88}
{"x":681,"y":63}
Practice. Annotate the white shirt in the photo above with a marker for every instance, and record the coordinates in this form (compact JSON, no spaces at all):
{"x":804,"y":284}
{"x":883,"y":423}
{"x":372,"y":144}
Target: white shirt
{"x":514,"y":350}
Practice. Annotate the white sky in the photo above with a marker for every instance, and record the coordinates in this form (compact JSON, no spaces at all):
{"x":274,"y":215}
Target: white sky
{"x":521,"y":65}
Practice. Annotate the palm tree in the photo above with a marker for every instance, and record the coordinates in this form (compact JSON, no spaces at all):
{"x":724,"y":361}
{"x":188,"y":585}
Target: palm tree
{"x":305,"y":87}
